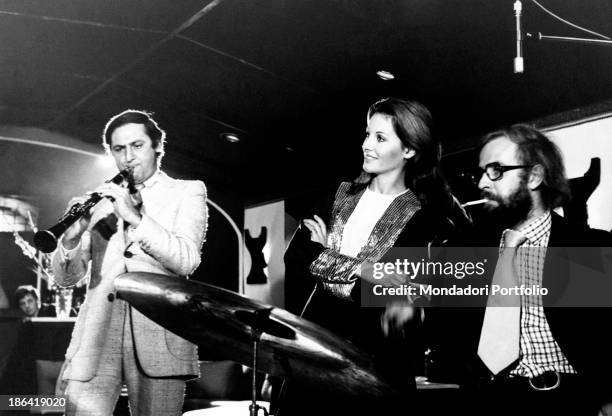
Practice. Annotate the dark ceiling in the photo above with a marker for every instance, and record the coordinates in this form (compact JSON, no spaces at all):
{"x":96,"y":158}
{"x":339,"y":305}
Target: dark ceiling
{"x":293,"y":77}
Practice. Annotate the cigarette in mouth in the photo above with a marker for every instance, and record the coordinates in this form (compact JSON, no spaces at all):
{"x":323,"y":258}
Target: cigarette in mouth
{"x":477,"y":202}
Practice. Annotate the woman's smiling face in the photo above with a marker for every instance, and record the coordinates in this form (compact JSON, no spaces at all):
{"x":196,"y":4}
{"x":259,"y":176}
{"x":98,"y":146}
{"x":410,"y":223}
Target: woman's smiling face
{"x":383,"y":151}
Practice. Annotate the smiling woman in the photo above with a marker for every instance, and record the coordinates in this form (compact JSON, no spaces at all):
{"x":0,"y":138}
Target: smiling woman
{"x":383,"y":150}
{"x":400,"y":199}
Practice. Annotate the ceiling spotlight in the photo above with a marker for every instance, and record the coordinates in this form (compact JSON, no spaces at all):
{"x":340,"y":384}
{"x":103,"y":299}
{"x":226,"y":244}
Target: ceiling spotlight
{"x":230,"y":137}
{"x":385,"y":75}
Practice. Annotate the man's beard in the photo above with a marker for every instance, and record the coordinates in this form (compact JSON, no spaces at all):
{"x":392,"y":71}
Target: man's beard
{"x":511,"y":210}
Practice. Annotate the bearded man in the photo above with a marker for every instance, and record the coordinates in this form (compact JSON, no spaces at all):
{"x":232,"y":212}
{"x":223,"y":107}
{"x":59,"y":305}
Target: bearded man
{"x":530,"y":348}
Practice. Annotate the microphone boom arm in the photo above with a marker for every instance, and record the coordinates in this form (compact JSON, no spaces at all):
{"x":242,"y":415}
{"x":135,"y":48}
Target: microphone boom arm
{"x":589,"y":41}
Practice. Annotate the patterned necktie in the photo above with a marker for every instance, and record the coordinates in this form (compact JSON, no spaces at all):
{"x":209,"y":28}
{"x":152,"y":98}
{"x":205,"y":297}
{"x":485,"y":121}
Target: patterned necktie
{"x":137,"y":197}
{"x":500,"y":335}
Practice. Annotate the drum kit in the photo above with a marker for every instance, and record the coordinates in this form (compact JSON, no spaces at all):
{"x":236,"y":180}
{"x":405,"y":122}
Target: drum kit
{"x":265,"y":338}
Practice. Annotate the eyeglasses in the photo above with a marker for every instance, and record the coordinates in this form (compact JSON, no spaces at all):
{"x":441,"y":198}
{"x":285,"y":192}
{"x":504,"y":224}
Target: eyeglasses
{"x":495,"y":171}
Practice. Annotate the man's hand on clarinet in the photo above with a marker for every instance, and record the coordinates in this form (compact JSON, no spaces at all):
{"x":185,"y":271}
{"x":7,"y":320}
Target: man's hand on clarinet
{"x":123,"y":202}
{"x":73,"y":234}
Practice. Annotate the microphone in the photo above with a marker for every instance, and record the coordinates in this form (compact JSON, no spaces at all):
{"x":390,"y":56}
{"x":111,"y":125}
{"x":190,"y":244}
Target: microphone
{"x":518,"y":61}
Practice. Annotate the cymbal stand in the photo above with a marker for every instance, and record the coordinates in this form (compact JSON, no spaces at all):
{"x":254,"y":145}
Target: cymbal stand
{"x":283,"y":387}
{"x":254,"y":407}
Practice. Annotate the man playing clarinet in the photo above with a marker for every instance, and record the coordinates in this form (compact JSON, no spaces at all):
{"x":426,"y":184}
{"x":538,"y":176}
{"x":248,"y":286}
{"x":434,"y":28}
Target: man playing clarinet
{"x":157,"y":227}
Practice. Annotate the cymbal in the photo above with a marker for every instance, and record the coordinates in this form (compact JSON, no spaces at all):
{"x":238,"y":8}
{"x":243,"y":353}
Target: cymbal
{"x":221,"y":322}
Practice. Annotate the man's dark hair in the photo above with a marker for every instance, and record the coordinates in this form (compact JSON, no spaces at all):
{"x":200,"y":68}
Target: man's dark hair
{"x":157,"y":135}
{"x":534,"y":148}
{"x":24,"y":290}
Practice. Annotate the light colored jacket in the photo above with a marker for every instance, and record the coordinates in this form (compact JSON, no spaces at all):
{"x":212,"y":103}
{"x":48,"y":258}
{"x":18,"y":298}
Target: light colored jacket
{"x":167,"y":241}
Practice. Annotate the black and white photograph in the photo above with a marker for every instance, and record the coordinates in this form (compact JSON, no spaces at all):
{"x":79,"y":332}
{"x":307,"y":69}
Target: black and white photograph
{"x":305,"y":207}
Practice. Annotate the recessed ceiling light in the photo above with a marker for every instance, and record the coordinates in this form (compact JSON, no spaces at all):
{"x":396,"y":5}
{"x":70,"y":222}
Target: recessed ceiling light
{"x":385,"y":75}
{"x":230,"y":137}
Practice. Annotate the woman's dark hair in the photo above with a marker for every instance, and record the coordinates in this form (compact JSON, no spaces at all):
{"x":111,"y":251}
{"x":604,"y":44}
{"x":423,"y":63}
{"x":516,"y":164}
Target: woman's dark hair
{"x":412,"y":122}
{"x":157,"y":135}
